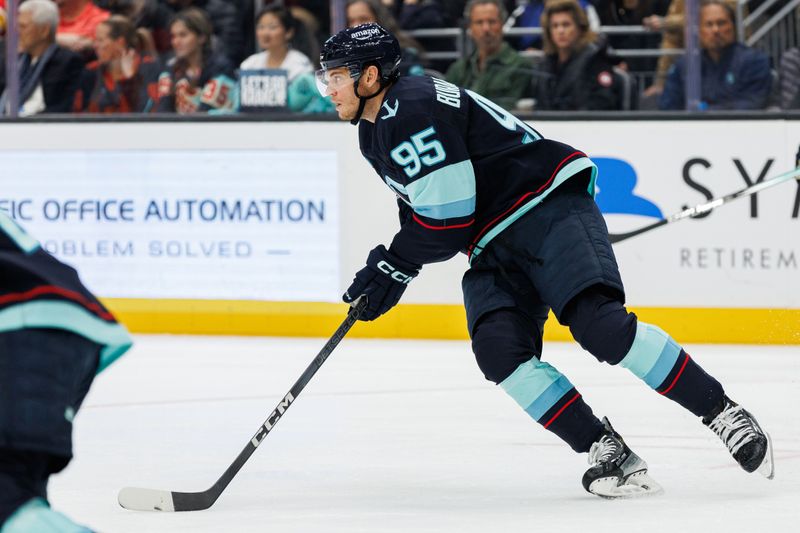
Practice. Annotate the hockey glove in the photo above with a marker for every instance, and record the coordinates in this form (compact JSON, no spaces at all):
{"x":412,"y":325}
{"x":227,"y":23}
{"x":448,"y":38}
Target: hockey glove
{"x":382,"y":281}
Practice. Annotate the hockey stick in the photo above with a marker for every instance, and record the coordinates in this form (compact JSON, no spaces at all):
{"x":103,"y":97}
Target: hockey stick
{"x":163,"y":500}
{"x":708,"y":206}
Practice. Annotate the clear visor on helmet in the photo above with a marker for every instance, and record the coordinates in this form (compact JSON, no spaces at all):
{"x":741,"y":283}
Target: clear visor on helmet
{"x":330,"y":81}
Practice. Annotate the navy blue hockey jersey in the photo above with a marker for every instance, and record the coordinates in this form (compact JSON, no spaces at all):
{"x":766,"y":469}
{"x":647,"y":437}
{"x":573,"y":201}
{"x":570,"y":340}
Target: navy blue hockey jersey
{"x":463,"y":168}
{"x":38,"y":291}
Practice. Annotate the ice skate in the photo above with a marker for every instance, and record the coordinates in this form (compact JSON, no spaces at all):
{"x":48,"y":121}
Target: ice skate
{"x":616,"y":471}
{"x":748,"y":443}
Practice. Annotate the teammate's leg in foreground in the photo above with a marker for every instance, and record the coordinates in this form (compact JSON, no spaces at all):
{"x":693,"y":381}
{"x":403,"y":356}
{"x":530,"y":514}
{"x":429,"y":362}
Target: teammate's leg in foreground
{"x":55,"y":336}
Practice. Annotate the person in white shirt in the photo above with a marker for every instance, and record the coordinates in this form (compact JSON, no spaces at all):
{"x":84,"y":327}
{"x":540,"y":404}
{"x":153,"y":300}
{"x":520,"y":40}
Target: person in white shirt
{"x":275,"y":27}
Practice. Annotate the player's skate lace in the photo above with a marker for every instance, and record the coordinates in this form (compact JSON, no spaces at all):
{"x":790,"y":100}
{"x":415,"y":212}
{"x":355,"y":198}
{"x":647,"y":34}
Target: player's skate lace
{"x":740,"y":432}
{"x":734,"y":427}
{"x":615,"y":471}
{"x":604,"y":449}
{"x":609,"y":457}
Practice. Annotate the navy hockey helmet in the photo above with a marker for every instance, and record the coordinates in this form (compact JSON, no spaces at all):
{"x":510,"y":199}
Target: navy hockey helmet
{"x":355,"y":49}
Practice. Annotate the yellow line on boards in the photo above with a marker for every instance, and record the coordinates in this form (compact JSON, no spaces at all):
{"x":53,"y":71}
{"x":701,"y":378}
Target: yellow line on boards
{"x":421,"y":321}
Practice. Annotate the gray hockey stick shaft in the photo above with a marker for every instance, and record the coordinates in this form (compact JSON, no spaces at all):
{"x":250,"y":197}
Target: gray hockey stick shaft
{"x":708,"y":206}
{"x":138,"y":499}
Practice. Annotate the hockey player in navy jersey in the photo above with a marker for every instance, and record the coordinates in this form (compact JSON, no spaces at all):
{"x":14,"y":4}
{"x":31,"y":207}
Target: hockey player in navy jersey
{"x":472,"y":178}
{"x":54,"y":338}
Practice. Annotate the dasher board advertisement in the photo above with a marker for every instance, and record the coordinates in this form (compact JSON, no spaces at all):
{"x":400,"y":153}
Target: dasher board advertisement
{"x":194,"y":224}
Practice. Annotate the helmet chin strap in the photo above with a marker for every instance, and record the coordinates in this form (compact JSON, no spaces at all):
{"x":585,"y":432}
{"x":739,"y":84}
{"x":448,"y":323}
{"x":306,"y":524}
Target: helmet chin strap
{"x":362,"y":100}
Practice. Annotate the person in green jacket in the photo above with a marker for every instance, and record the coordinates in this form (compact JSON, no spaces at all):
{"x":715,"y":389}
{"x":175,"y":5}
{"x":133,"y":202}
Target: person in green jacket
{"x":494,"y":69}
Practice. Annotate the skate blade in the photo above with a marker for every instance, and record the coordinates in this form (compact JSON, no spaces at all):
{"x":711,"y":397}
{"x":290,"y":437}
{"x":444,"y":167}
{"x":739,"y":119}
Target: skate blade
{"x":767,"y":466}
{"x":636,"y":485}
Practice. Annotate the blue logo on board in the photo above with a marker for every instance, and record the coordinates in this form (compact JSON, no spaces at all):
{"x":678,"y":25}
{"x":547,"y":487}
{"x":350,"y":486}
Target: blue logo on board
{"x":616,"y":180}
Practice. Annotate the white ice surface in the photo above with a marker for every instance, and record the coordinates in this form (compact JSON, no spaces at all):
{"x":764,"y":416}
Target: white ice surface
{"x":398,"y":436}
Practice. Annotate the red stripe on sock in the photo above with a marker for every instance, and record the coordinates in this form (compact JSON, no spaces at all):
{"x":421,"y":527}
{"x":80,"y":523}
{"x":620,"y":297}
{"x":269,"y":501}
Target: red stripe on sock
{"x":674,"y":381}
{"x":577,"y":395}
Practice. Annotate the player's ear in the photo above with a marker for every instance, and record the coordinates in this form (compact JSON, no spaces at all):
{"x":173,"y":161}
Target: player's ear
{"x":373,"y":73}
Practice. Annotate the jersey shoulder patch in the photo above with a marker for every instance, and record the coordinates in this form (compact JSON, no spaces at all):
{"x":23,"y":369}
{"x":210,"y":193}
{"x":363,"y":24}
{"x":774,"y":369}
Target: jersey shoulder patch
{"x":421,"y":94}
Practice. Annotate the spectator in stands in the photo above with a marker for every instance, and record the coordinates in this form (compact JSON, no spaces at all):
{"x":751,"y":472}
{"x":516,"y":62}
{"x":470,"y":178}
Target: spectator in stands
{"x":494,"y":70}
{"x":528,"y":14}
{"x":78,"y":24}
{"x":734,"y":76}
{"x":363,"y":11}
{"x":123,"y":79}
{"x":227,"y":25}
{"x":197,"y":79}
{"x":275,"y":27}
{"x":790,"y":79}
{"x":672,"y":27}
{"x":577,"y":73}
{"x":148,"y":14}
{"x":48,"y":73}
{"x":632,"y":13}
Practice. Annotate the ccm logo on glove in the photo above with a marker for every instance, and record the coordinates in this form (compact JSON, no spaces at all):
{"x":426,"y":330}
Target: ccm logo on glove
{"x":382,"y":281}
{"x":395,"y":274}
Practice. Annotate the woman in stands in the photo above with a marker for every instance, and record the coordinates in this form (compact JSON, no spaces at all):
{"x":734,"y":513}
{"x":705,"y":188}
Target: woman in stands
{"x":197,"y":79}
{"x":364,"y":11}
{"x":124,"y":79}
{"x":577,"y":72}
{"x":275,"y":29}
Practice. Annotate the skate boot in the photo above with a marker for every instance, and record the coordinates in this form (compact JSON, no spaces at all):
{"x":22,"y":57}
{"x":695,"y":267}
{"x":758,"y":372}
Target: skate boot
{"x":748,"y":443}
{"x":616,"y":471}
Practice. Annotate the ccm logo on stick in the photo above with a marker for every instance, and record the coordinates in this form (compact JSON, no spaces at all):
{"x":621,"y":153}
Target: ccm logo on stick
{"x":393,"y":273}
{"x":272,"y":419}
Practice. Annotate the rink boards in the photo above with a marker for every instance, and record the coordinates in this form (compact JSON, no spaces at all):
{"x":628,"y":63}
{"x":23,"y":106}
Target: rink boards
{"x":256,"y":227}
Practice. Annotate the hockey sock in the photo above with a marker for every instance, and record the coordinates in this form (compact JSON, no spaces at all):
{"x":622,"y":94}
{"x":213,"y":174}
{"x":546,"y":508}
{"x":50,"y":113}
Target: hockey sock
{"x":658,"y":360}
{"x":550,"y":399}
